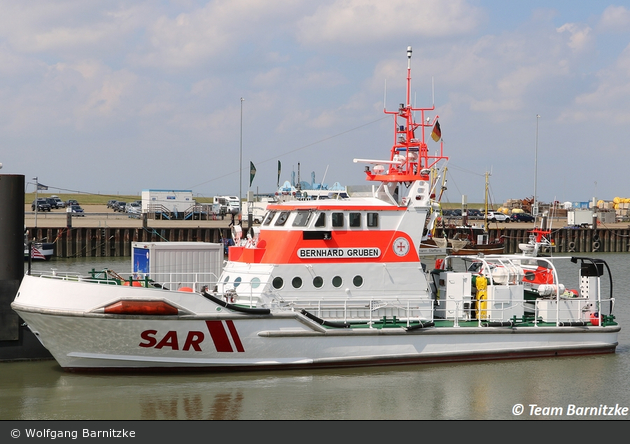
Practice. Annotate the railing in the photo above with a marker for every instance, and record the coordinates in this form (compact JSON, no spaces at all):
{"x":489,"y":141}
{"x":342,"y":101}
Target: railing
{"x":195,"y":282}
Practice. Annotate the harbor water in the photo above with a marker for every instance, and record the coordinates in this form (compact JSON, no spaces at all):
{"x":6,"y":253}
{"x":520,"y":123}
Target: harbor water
{"x":530,"y":389}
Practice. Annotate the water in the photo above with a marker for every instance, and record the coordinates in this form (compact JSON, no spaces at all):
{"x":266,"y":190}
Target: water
{"x":464,"y":391}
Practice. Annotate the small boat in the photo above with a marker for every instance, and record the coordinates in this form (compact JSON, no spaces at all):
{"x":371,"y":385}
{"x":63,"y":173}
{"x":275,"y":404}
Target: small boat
{"x":37,"y":250}
{"x":329,"y":283}
{"x":467,"y":240}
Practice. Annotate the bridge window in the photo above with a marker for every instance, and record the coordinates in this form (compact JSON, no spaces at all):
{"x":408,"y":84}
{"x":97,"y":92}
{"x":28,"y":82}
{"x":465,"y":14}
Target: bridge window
{"x":268,"y":217}
{"x":355,"y":219}
{"x":321,"y":220}
{"x":282,"y":219}
{"x":372,"y":219}
{"x":337,"y":219}
{"x":302,"y":218}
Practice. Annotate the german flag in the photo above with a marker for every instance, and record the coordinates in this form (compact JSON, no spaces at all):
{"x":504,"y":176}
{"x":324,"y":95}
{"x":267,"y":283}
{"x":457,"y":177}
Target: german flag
{"x":437,"y":132}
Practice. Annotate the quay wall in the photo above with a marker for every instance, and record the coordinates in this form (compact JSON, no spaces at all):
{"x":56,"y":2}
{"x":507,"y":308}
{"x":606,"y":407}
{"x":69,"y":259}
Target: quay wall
{"x":569,"y":240}
{"x":116,"y":241}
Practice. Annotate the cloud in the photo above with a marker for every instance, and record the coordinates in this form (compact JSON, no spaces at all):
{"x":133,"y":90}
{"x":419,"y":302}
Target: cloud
{"x":608,"y":101}
{"x":363,"y":22}
{"x":580,"y":35}
{"x":614,"y":19}
{"x":214,"y":30}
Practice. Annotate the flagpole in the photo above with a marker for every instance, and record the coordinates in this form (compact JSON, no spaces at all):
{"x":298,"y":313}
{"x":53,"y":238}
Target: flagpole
{"x":535,"y":208}
{"x":36,"y":206}
{"x":240,"y":181}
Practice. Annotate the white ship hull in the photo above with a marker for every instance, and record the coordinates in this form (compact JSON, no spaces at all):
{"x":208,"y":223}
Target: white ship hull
{"x":211,"y":337}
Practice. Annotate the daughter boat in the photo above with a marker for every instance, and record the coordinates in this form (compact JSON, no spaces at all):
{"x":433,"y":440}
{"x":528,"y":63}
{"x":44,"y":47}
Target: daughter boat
{"x":329,"y":283}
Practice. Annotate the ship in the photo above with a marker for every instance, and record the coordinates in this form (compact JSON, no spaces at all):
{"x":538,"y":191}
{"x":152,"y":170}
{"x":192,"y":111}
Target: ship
{"x":326,"y":283}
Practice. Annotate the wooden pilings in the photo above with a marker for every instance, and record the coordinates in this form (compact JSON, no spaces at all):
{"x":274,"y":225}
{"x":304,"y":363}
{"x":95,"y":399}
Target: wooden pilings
{"x":116,"y":242}
{"x":572,"y":240}
{"x":108,"y":242}
{"x":568,"y":240}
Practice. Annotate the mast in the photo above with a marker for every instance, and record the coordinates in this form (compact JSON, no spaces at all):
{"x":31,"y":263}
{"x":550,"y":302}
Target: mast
{"x":409,"y":156}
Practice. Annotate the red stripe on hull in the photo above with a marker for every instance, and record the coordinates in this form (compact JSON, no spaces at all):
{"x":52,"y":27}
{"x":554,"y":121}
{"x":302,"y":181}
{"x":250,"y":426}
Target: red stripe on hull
{"x":219,"y":336}
{"x":235,"y":337}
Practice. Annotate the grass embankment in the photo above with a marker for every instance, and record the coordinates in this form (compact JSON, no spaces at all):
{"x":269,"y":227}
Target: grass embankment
{"x":93,"y":199}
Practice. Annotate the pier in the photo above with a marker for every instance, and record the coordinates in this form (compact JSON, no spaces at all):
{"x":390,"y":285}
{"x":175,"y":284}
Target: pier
{"x":109,"y":235}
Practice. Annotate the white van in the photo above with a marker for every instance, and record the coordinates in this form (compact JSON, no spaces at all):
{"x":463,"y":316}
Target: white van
{"x":233,"y":203}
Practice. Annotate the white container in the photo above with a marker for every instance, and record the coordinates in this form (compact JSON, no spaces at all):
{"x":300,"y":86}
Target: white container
{"x":178,"y":264}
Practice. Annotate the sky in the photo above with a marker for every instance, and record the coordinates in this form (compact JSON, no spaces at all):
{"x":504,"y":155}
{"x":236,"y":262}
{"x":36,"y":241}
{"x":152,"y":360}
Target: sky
{"x":116,"y":97}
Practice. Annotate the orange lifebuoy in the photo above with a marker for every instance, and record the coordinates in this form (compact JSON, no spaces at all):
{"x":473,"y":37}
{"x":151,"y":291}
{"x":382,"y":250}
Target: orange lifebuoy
{"x":134,"y":284}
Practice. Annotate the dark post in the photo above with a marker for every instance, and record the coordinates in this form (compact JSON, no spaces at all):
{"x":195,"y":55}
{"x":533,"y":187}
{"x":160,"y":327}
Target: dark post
{"x":11,"y":251}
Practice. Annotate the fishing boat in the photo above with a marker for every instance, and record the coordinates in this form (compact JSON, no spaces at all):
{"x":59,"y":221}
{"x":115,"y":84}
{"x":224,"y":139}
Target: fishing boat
{"x":328,"y":283}
{"x":462,"y":240}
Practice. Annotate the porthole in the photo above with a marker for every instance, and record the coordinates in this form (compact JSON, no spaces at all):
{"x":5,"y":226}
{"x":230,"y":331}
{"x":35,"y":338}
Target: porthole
{"x":237,"y":281}
{"x":357,"y":281}
{"x":318,"y":282}
{"x":297,"y":282}
{"x":337,"y":281}
{"x":255,"y":282}
{"x":226,"y":280}
{"x":277,"y":283}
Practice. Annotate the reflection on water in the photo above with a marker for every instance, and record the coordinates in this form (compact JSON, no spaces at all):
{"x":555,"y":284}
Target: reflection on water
{"x":479,"y":390}
{"x":485,"y":390}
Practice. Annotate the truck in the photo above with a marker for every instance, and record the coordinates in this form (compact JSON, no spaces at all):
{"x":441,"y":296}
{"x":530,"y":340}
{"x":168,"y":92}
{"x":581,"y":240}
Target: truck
{"x":258,"y":210}
{"x":220,"y":205}
{"x":233,"y":203}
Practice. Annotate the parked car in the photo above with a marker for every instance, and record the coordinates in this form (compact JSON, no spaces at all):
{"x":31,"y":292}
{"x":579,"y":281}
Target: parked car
{"x":52,"y":202}
{"x":522,"y":217}
{"x":120,"y":206}
{"x":475,"y":214}
{"x":72,"y":202}
{"x":495,"y":216}
{"x":76,"y":210}
{"x":41,"y":204}
{"x":111,"y":203}
{"x":134,"y":209}
{"x":60,"y":203}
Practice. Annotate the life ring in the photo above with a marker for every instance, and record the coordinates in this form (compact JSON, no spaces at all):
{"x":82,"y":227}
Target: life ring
{"x":596,"y":238}
{"x":596,"y":246}
{"x":571,"y":247}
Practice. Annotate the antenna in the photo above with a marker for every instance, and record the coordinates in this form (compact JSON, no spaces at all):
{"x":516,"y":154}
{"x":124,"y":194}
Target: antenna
{"x":385,"y":95}
{"x":323,"y":179}
{"x":432,"y":91}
